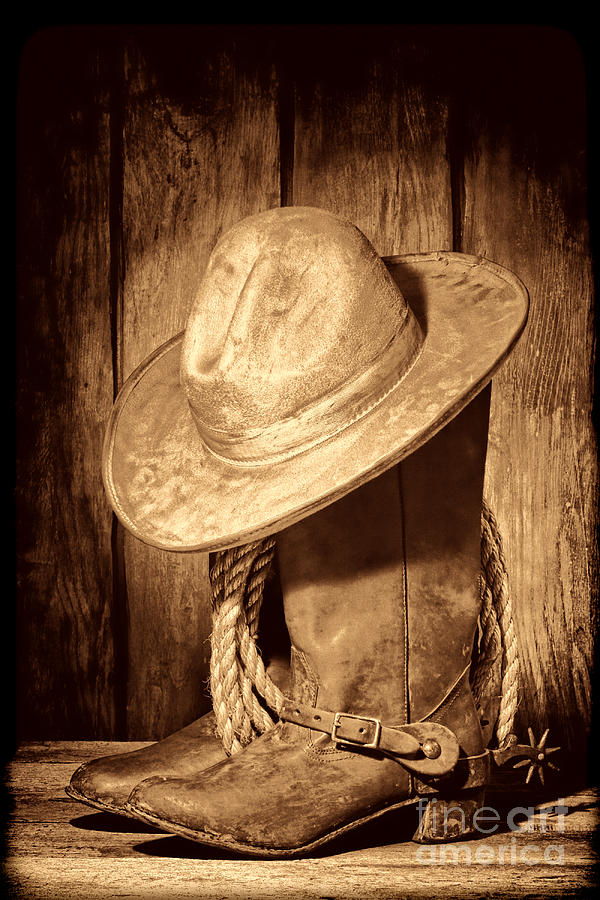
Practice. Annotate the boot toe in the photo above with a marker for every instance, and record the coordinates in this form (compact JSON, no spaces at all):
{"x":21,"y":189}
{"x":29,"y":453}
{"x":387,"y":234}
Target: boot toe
{"x":161,"y":802}
{"x":106,"y":782}
{"x":144,"y":797}
{"x":99,"y":783}
{"x":178,"y":806}
{"x":157,"y":799}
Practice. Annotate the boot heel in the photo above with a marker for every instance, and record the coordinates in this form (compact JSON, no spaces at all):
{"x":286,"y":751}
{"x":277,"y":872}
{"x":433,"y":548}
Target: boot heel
{"x":448,"y":818}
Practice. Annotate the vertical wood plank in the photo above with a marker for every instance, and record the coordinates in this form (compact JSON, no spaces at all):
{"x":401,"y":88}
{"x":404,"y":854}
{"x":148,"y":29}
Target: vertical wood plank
{"x":66,"y":651}
{"x":525,"y":207}
{"x":201,"y":152}
{"x":370,"y":136}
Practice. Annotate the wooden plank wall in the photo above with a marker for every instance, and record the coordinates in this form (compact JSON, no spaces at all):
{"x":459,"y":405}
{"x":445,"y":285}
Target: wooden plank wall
{"x":138,"y":147}
{"x":67,"y":609}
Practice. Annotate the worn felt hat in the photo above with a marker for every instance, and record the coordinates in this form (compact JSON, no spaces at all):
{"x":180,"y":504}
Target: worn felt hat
{"x":308,"y":366}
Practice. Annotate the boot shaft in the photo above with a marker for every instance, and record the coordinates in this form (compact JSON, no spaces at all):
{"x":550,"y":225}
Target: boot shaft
{"x":381,"y":589}
{"x":342,"y":576}
{"x":442,"y":491}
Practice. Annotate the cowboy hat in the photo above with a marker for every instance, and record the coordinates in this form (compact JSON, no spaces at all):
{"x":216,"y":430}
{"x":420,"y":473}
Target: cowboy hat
{"x":308,"y":366}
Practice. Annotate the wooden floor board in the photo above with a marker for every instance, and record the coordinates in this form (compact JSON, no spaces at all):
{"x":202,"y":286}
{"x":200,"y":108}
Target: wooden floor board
{"x":57,"y":848}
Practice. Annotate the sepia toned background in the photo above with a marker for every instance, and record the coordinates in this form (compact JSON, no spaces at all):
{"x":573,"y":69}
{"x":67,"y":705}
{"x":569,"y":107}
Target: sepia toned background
{"x":137,"y":147}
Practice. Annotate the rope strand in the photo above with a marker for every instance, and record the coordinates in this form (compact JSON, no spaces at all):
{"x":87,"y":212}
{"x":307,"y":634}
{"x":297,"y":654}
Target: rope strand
{"x":500,"y":643}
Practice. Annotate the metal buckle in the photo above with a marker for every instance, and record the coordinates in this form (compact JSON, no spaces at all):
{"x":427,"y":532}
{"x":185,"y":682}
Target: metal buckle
{"x":370,"y":745}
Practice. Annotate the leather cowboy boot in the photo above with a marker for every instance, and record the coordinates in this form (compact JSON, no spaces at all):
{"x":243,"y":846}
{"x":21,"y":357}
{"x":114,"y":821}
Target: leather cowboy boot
{"x":381,"y":602}
{"x":105,"y":783}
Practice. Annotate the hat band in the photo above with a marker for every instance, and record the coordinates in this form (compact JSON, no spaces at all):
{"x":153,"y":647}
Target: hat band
{"x":325,"y":418}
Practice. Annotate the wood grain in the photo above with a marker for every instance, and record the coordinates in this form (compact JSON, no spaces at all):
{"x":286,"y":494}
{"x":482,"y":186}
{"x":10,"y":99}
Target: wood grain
{"x":66,"y":644}
{"x":525,"y":207}
{"x":200,"y":144}
{"x":370,"y":139}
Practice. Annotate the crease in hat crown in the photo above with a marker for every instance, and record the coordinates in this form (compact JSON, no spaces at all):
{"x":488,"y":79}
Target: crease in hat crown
{"x":297,"y":331}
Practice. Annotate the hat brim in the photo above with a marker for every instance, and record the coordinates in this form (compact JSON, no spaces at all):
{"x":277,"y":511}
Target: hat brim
{"x":171,"y":492}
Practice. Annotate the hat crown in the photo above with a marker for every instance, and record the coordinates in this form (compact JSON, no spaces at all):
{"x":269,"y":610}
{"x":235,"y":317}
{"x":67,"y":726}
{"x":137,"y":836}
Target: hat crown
{"x":297,"y":329}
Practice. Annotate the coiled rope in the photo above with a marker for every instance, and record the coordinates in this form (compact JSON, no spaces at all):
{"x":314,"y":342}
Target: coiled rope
{"x":246,"y":701}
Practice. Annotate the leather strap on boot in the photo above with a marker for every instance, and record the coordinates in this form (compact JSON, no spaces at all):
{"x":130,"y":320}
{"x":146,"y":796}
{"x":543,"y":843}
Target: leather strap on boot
{"x":423,"y":747}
